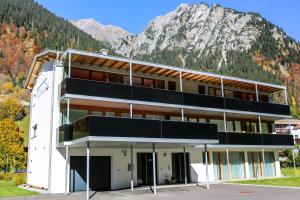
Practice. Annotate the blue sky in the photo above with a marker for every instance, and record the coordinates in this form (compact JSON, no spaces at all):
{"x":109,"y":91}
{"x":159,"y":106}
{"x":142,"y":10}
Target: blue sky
{"x":134,"y":15}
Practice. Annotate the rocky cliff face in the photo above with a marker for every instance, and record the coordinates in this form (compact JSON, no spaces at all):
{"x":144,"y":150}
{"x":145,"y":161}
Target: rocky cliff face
{"x":216,"y":39}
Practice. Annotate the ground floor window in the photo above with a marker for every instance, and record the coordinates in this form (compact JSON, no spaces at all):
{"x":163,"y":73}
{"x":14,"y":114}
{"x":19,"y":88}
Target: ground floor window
{"x":254,"y":164}
{"x":269,"y":167}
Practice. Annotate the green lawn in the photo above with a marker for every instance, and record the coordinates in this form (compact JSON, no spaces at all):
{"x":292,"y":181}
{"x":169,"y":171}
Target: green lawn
{"x":24,"y":126}
{"x":289,"y":182}
{"x":289,"y":171}
{"x":8,"y":189}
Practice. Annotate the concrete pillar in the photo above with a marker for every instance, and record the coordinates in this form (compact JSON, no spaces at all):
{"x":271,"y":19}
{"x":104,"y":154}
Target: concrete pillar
{"x":88,"y":171}
{"x":184,"y":160}
{"x":131,"y":170}
{"x":206,"y":167}
{"x":154,"y":168}
{"x":247,"y":173}
{"x":67,"y":173}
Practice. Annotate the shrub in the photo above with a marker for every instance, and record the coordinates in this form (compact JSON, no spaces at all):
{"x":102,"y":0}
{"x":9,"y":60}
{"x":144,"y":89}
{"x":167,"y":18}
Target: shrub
{"x":19,"y":179}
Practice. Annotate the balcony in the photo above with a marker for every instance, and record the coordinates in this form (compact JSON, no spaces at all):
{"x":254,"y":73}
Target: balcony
{"x":136,"y":128}
{"x":233,"y":138}
{"x":126,"y":92}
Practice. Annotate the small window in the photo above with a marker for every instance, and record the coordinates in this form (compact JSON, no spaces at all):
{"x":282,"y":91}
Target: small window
{"x":34,"y":134}
{"x":116,"y":78}
{"x":171,"y":85}
{"x":80,"y":73}
{"x":159,"y":84}
{"x":201,"y":89}
{"x":211,"y":91}
{"x":136,"y":81}
{"x":203,"y":158}
{"x":148,"y":83}
{"x":96,"y":75}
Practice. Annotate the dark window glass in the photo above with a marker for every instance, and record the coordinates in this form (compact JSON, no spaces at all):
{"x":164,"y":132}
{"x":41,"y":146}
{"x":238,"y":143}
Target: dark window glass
{"x":96,"y":75}
{"x":263,"y":98}
{"x":201,"y":89}
{"x":80,"y":73}
{"x":136,"y":81}
{"x":171,"y":85}
{"x":116,"y":78}
{"x":159,"y":84}
{"x":148,"y":83}
{"x":211,"y":91}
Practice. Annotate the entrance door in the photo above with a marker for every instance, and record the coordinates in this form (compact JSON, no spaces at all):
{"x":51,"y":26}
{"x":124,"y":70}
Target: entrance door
{"x":178,"y":167}
{"x":100,"y":173}
{"x":145,"y":168}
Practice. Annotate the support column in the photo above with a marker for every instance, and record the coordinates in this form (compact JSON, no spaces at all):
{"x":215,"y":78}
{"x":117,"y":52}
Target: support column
{"x":256,"y":92}
{"x":68,"y":111}
{"x":154,"y":168}
{"x":286,"y":96}
{"x":185,"y":172}
{"x":263,"y":160}
{"x":228,"y":166}
{"x":294,"y":162}
{"x":88,"y":171}
{"x":247,"y":173}
{"x":222,"y":87}
{"x":131,"y":169}
{"x":259,"y":124}
{"x":130,"y":73}
{"x":225,"y":122}
{"x":206,"y":166}
{"x":67,"y":173}
{"x":69,"y":67}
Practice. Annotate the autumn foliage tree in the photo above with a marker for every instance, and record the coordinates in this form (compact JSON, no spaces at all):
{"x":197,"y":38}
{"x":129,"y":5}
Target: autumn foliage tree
{"x":11,"y":145}
{"x":10,"y":107}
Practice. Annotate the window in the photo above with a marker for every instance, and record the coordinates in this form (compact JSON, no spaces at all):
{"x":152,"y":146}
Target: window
{"x":148,"y":83}
{"x":33,"y":134}
{"x":214,"y":91}
{"x":228,"y":93}
{"x":171,"y":85}
{"x":219,"y":123}
{"x":229,"y":126}
{"x":201,"y":89}
{"x":136,"y":81}
{"x":80,"y":73}
{"x":116,"y":78}
{"x":203,"y":158}
{"x":96,"y":75}
{"x":237,"y":126}
{"x":264,"y":98}
{"x":159,"y":84}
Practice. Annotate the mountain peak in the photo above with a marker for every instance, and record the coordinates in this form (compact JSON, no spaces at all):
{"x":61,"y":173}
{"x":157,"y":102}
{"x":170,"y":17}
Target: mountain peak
{"x":107,"y":33}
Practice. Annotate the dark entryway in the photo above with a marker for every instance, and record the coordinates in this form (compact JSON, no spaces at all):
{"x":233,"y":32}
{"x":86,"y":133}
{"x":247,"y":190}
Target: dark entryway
{"x":100,"y":173}
{"x":145,"y":168}
{"x":178,"y":167}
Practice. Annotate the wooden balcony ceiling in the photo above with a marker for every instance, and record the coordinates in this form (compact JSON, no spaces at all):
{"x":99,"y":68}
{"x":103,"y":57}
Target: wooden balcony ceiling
{"x":141,"y":67}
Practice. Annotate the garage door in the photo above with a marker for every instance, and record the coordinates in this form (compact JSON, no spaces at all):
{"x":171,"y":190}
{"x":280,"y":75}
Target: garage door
{"x":100,"y":173}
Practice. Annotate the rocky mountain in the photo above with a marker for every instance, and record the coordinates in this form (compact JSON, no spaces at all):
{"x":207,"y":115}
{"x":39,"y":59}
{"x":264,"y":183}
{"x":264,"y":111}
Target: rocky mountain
{"x":220,"y":40}
{"x":106,"y":33}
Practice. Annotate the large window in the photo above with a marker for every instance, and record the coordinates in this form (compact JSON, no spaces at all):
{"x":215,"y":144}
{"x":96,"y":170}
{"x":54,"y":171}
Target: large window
{"x":80,"y":73}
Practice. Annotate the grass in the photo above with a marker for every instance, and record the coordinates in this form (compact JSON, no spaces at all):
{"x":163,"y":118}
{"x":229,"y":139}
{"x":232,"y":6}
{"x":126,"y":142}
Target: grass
{"x":24,"y":127}
{"x":9,"y":189}
{"x":288,"y":180}
{"x":289,"y":171}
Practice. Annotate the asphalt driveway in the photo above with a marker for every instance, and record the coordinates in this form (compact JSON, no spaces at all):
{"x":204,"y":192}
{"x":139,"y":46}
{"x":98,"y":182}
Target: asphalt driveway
{"x":217,"y":191}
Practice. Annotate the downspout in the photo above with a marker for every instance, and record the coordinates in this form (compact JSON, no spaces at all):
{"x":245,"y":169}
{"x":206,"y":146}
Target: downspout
{"x":51,"y":122}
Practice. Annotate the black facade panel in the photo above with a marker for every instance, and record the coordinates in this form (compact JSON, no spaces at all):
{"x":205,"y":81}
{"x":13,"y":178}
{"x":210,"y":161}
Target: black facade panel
{"x":201,"y":100}
{"x":244,"y":138}
{"x":188,"y":130}
{"x":156,"y":95}
{"x":272,"y":108}
{"x":277,"y":139}
{"x":97,"y":88}
{"x":222,"y":136}
{"x":240,"y":104}
{"x":124,"y":127}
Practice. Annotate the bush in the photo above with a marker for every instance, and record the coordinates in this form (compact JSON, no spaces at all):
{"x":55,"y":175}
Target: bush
{"x":19,"y":179}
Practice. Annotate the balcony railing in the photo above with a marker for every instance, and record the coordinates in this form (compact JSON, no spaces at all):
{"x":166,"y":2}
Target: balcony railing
{"x":233,"y":138}
{"x":137,"y":128}
{"x":120,"y":91}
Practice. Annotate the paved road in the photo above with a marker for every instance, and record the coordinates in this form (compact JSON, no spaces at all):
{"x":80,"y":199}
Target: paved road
{"x":217,"y":192}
